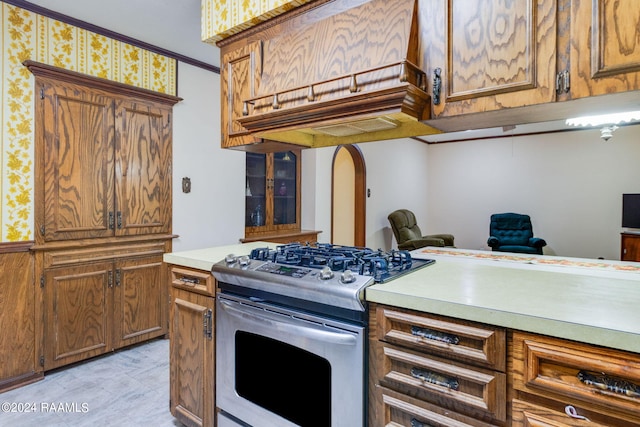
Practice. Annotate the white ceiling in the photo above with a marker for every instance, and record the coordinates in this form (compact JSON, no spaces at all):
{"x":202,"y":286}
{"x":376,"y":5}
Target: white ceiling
{"x":173,"y":25}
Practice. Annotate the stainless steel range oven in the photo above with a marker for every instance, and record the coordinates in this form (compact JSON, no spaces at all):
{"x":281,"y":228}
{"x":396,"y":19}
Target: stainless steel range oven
{"x":291,"y":334}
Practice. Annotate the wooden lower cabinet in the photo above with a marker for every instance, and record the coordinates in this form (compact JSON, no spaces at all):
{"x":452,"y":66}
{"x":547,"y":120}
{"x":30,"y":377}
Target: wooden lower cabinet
{"x":97,"y":307}
{"x":427,"y":370}
{"x":630,"y":247}
{"x":192,"y":345}
{"x":20,"y":339}
{"x":555,"y":378}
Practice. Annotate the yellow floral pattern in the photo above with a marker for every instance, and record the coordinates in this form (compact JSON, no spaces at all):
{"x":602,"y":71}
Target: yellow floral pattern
{"x":222,"y":18}
{"x":26,"y":35}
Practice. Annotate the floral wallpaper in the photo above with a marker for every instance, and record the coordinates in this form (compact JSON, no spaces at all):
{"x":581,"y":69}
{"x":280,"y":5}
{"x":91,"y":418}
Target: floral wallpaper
{"x":222,"y":18}
{"x":26,"y":35}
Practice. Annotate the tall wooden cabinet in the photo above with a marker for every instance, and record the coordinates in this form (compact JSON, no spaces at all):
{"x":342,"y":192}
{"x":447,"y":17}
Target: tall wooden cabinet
{"x":102,"y":213}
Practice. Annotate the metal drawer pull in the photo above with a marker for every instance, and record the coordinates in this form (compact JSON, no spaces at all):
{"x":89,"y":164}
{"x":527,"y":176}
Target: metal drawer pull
{"x":571,"y":411}
{"x":434,"y":335}
{"x":191,"y":280}
{"x":416,"y":423}
{"x":606,"y":382}
{"x":433,"y":378}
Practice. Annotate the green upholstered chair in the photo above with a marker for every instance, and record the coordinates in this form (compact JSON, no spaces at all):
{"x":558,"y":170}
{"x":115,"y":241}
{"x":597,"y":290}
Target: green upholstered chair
{"x":512,"y":232}
{"x":408,"y":234}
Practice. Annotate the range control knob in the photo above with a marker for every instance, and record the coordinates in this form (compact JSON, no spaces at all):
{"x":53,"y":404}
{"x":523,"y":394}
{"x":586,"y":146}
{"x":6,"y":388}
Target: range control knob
{"x":230,"y":259}
{"x":244,"y":260}
{"x":326,"y":273}
{"x":347,"y":276}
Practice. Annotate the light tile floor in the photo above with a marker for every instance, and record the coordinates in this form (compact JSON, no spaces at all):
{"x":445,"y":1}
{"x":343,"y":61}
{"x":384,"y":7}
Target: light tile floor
{"x":129,"y":387}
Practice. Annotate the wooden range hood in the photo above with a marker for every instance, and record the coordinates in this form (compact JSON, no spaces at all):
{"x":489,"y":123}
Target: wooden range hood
{"x":347,"y":78}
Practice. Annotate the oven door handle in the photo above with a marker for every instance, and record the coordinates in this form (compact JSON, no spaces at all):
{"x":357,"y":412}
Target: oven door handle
{"x":287,"y":323}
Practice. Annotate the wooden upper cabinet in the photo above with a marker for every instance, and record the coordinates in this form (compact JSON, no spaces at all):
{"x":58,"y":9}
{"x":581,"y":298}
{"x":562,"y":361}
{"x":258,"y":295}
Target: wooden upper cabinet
{"x":240,"y":73}
{"x":605,"y":47}
{"x":103,"y":158}
{"x":143,"y":168}
{"x":490,"y":55}
{"x":78,"y":162}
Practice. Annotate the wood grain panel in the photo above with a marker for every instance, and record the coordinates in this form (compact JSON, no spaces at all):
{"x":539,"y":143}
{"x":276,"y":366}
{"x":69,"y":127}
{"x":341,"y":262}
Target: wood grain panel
{"x":240,"y":75}
{"x":77,"y":302}
{"x":338,"y":45}
{"x":529,"y":415}
{"x":492,"y":47}
{"x":192,"y":359}
{"x":477,"y":344}
{"x":140,"y":301}
{"x":78,"y":162}
{"x":550,"y":368}
{"x":479,"y":392}
{"x":143,"y":168}
{"x":492,"y":55}
{"x":605,"y":47}
{"x":18,"y":358}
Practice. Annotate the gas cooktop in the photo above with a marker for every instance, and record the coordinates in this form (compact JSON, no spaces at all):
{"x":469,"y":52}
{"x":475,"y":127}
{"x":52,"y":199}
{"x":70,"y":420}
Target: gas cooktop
{"x":382,"y":266}
{"x":319,"y":278}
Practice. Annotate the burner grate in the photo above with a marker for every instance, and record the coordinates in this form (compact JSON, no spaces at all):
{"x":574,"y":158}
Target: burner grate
{"x":380,"y":265}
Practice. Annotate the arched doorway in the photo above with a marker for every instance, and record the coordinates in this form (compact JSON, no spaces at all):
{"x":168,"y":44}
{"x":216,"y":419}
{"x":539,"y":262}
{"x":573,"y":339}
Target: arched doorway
{"x":348,"y":197}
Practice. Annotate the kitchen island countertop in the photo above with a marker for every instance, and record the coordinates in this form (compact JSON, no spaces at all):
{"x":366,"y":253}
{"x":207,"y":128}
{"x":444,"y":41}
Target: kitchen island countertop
{"x":563,"y":297}
{"x":589,"y":301}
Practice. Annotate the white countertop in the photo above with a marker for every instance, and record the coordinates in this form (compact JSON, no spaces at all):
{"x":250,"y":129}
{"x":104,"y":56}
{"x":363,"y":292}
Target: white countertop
{"x":591,"y":301}
{"x":203,"y":259}
{"x":566,"y":298}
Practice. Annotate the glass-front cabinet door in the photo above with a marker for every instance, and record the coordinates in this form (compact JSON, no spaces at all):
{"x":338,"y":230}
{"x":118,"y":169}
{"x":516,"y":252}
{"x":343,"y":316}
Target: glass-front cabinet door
{"x":285,"y":188}
{"x":256,"y":190}
{"x":272,"y":192}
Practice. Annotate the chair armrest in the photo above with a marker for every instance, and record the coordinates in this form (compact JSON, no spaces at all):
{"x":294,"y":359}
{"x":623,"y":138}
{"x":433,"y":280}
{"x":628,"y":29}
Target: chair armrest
{"x":537,"y":242}
{"x":420,"y":243}
{"x":447,"y":238}
{"x":493,"y":242}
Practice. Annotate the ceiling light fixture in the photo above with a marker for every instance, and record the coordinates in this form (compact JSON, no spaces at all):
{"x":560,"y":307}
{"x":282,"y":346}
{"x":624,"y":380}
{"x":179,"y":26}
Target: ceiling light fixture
{"x":607,"y":121}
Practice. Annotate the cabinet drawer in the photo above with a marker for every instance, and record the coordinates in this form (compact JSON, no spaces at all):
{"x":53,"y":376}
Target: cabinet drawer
{"x":526,"y":414}
{"x":107,"y":252}
{"x":478,"y":392}
{"x":566,"y":371}
{"x":468,"y":342}
{"x":193,"y":280}
{"x":401,"y":410}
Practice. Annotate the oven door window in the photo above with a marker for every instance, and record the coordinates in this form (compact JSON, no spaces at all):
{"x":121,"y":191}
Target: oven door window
{"x":284,"y":379}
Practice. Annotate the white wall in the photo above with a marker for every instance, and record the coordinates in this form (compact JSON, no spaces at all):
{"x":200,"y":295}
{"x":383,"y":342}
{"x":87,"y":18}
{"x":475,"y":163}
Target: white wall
{"x":396,"y":175}
{"x":212,"y":214}
{"x":570,"y":183}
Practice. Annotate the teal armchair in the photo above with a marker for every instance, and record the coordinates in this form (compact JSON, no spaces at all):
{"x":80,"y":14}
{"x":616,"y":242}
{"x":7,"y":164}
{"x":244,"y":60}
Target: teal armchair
{"x":512,"y":232}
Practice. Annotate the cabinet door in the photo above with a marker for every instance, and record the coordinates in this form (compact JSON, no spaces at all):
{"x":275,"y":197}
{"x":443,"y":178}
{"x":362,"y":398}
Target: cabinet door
{"x":240,"y":78}
{"x":630,"y":247}
{"x":256,"y":190}
{"x":605,"y":47}
{"x":491,"y":55}
{"x":77,"y":303}
{"x":77,"y":163}
{"x":143,"y":168}
{"x":285,"y":191}
{"x":192,"y":358}
{"x":272,"y":193}
{"x":140,"y":300}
